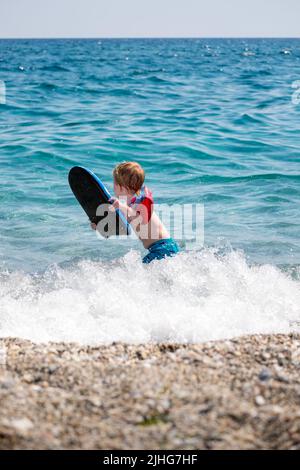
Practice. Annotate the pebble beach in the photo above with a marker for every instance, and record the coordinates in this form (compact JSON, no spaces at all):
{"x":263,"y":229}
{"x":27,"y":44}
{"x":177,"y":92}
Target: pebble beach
{"x":238,"y":394}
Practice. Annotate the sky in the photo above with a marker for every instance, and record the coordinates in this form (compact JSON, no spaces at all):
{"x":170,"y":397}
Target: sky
{"x":149,"y":18}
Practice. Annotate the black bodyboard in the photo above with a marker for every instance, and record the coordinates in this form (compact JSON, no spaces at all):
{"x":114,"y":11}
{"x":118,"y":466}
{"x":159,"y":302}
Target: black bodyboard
{"x":91,"y":193}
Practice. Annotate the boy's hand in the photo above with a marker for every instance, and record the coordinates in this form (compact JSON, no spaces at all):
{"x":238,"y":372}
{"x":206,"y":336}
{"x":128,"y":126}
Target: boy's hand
{"x":115,"y":203}
{"x":93,"y":226}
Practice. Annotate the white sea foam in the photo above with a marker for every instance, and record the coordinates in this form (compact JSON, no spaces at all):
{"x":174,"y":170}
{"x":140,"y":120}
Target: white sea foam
{"x":190,"y":298}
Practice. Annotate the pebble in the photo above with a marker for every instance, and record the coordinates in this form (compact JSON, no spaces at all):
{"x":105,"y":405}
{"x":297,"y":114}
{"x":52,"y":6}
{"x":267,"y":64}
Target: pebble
{"x":7,"y":382}
{"x":265,"y":374}
{"x":259,"y":400}
{"x":20,"y":425}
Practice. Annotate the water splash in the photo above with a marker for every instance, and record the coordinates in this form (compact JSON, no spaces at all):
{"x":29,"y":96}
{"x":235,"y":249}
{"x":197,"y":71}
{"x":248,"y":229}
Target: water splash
{"x":193,"y":297}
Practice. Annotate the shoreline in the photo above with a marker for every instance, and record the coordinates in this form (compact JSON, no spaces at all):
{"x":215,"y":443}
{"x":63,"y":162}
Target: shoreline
{"x":242,"y":393}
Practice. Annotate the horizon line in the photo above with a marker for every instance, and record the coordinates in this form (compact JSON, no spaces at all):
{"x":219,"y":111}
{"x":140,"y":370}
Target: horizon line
{"x":147,"y":37}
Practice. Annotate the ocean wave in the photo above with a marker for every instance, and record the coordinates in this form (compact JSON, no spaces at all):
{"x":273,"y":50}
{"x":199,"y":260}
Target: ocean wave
{"x":246,"y":178}
{"x":55,"y":68}
{"x":193,"y":297}
{"x":156,"y":79}
{"x":48,"y":86}
{"x":247,"y":119}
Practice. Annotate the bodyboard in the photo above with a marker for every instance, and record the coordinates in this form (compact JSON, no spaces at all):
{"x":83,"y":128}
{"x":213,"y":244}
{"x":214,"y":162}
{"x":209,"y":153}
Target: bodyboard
{"x":91,"y":194}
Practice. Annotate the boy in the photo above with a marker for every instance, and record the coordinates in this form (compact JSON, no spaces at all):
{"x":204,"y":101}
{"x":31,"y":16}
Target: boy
{"x":135,"y":201}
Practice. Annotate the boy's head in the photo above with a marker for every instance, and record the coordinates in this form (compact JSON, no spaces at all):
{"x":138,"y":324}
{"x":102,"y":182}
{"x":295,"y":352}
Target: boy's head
{"x":129,"y":177}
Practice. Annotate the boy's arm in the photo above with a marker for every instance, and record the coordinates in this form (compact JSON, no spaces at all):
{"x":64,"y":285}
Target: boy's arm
{"x":127,"y":211}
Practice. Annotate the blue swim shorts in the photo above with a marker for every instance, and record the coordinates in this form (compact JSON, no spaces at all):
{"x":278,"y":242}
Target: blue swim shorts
{"x":161,"y":249}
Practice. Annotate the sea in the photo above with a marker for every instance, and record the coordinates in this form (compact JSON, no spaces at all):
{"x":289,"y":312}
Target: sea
{"x":214,"y":123}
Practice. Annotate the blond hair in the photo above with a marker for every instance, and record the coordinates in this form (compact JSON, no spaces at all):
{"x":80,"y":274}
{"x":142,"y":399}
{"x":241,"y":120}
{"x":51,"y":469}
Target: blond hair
{"x":129,"y":175}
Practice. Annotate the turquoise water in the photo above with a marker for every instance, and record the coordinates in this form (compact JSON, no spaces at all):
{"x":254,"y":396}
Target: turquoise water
{"x":211,"y":121}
